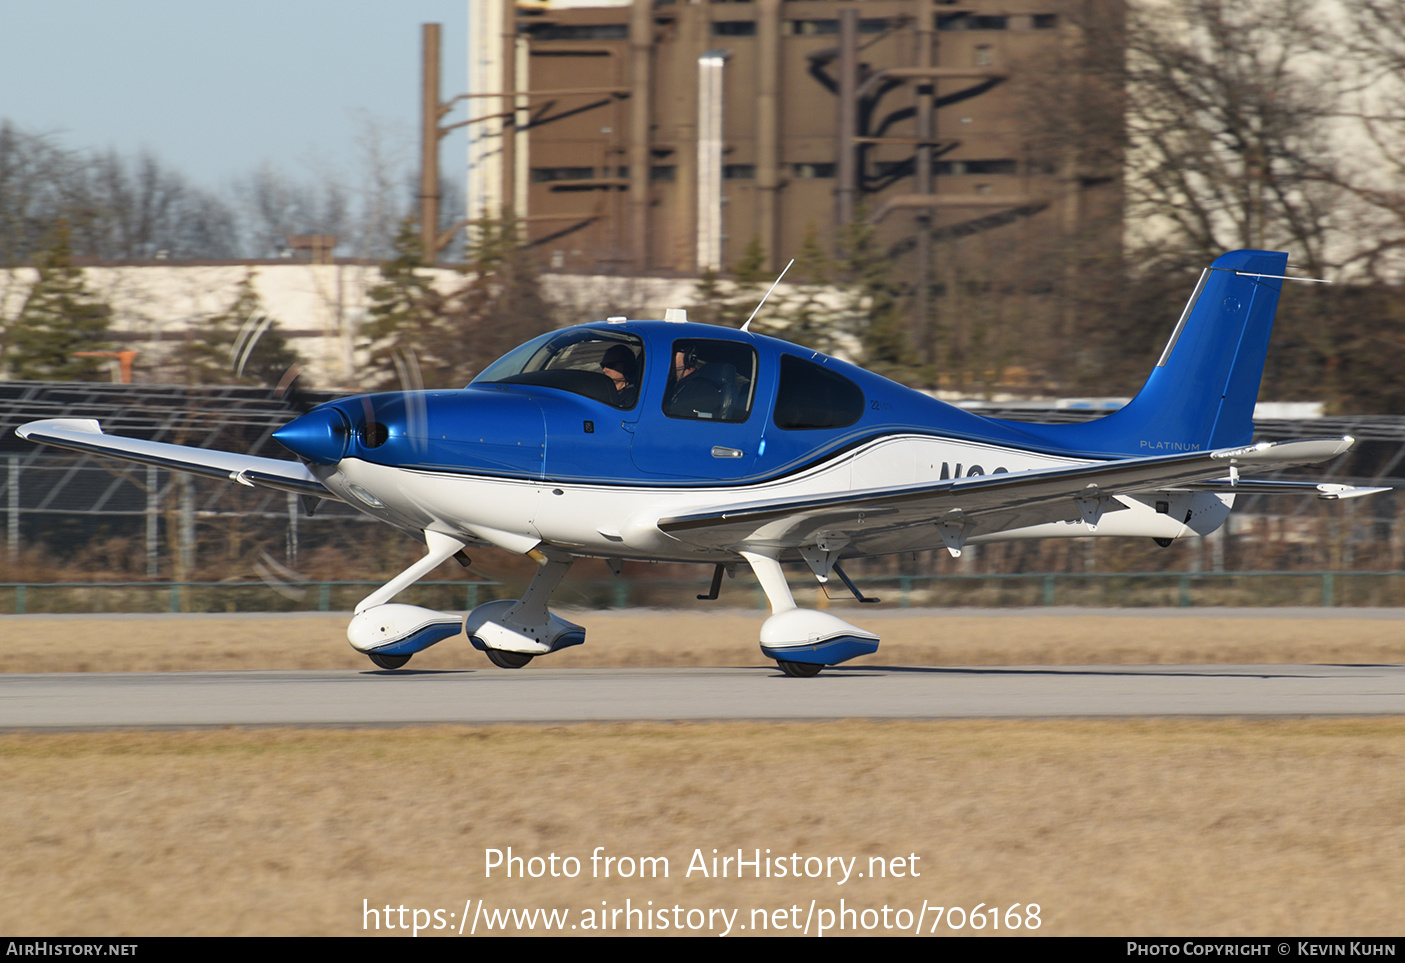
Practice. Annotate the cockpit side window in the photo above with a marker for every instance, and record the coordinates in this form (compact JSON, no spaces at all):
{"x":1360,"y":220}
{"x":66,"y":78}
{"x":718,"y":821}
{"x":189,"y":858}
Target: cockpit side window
{"x":711,"y":380}
{"x":812,"y":396}
{"x":604,"y":365}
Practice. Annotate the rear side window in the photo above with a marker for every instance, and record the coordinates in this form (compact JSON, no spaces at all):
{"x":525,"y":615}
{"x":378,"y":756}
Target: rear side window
{"x":812,"y":396}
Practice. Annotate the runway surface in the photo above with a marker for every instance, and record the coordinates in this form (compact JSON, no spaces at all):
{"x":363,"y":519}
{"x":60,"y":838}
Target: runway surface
{"x":575,"y":695}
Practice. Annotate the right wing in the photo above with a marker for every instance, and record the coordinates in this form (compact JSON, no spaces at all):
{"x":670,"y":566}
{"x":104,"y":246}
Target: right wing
{"x":868,"y":520}
{"x":86,"y":435}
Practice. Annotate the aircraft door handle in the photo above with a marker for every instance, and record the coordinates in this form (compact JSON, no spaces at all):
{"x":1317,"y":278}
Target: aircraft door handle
{"x":718,"y":451}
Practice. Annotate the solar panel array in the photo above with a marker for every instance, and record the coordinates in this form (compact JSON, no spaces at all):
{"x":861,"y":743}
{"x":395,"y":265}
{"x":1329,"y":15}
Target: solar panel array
{"x":62,"y":499}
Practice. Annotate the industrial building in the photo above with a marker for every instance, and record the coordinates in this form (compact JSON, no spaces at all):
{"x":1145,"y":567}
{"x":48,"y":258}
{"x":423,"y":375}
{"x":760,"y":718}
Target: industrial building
{"x":671,"y":136}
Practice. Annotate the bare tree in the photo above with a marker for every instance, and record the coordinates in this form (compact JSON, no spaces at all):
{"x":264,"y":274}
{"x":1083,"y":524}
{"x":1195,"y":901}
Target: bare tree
{"x":1374,"y":169}
{"x":362,"y":204}
{"x":114,"y":207}
{"x":120,"y":207}
{"x":1223,"y":120}
{"x":276,"y":206}
{"x":383,"y":159}
{"x":1229,"y":114}
{"x":1067,"y":284}
{"x":33,"y":175}
{"x":140,"y":209}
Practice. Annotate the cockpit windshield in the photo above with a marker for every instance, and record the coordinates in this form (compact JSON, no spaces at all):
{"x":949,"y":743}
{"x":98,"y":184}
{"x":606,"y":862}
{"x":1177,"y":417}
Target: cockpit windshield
{"x":600,"y":364}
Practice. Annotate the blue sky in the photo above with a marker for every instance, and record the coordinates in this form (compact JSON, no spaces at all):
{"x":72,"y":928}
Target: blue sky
{"x":215,"y":89}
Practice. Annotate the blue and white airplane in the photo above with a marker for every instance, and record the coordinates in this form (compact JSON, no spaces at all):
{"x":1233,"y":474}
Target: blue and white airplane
{"x":680,"y":442}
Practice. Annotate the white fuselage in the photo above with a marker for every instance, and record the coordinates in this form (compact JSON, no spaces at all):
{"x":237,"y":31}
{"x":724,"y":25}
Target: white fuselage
{"x":620,"y":520}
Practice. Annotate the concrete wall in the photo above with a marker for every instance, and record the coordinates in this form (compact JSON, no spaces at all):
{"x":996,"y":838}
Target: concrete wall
{"x":320,"y":308}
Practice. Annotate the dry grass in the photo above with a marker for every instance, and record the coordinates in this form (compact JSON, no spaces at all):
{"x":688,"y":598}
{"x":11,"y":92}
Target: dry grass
{"x":1113,"y":827}
{"x":1156,"y":827}
{"x":707,"y":638}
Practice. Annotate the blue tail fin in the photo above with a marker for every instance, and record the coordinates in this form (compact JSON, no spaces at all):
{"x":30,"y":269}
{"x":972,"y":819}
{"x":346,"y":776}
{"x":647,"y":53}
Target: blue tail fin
{"x":1201,"y":393}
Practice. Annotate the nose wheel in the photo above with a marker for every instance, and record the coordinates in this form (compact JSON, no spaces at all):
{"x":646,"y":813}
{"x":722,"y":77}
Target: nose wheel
{"x":799,"y":670}
{"x":504,"y":659}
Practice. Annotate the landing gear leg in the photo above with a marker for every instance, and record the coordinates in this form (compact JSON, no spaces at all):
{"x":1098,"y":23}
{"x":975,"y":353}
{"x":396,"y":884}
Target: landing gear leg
{"x":441,"y":547}
{"x":803,"y":641}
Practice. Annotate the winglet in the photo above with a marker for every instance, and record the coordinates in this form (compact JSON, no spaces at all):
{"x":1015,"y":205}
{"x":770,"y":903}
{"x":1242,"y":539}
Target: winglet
{"x":88,"y":425}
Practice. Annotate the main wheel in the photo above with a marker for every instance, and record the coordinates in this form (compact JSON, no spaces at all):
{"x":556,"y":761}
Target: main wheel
{"x":800,"y":670}
{"x":387,"y":661}
{"x":508,"y":660}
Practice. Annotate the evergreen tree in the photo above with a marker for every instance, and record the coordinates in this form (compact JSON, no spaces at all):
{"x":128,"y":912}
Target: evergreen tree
{"x":59,"y":319}
{"x":874,"y":306}
{"x":442,"y":341}
{"x":731,"y":303}
{"x":500,"y":304}
{"x":240,"y":345}
{"x":750,"y":284}
{"x":405,"y":312}
{"x":849,"y":305}
{"x":708,"y":298}
{"x":812,"y":314}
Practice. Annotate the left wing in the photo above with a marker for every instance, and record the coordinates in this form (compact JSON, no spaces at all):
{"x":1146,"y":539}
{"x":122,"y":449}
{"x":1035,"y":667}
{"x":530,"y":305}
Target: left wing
{"x":86,"y":435}
{"x":992,"y":503}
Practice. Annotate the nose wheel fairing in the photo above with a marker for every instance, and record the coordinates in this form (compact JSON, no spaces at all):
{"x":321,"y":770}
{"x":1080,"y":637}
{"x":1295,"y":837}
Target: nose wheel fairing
{"x":396,"y":629}
{"x":492,"y":627}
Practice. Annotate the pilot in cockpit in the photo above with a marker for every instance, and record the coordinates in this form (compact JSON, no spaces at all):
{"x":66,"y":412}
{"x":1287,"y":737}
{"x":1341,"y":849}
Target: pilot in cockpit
{"x":620,"y":366}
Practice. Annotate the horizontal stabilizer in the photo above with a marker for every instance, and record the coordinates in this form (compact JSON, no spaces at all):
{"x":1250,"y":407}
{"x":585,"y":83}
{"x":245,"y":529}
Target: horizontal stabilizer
{"x":1285,"y":454}
{"x":1258,"y":486}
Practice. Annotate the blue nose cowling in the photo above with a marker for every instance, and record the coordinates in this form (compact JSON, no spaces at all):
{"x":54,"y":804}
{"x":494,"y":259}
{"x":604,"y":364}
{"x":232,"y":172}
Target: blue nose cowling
{"x":319,"y":436}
